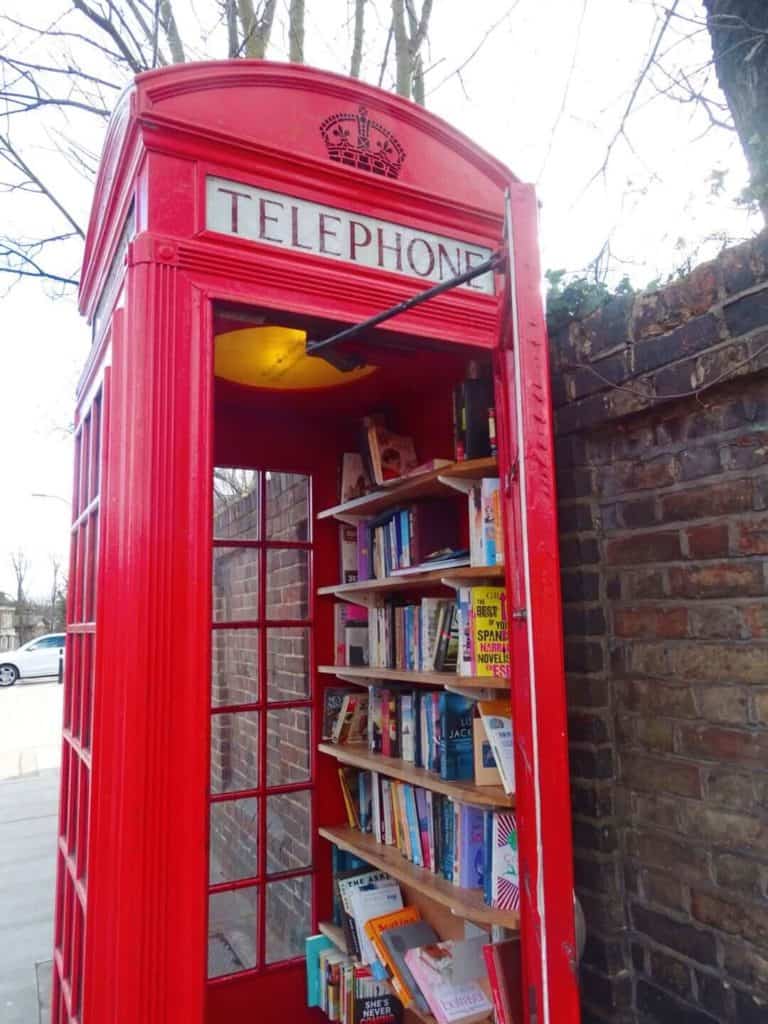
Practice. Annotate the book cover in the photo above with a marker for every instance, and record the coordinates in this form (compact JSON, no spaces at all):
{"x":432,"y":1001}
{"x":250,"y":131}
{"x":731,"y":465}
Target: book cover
{"x":505,"y":873}
{"x":356,"y":649}
{"x":496,"y":716}
{"x":313,"y":946}
{"x":365,"y":800}
{"x":380,"y":1009}
{"x":449,"y":1003}
{"x":333,"y":698}
{"x":392,"y":455}
{"x":350,"y":793}
{"x":355,"y":482}
{"x":375,"y":929}
{"x":352,"y":719}
{"x":372,"y":902}
{"x":456,"y":755}
{"x":492,"y":533}
{"x":407,"y":729}
{"x":489,"y":636}
{"x":475,"y":502}
{"x":457,"y":960}
{"x":375,"y":723}
{"x":471,"y":840}
{"x":346,"y":882}
{"x":364,"y":567}
{"x":397,"y":942}
{"x":412,"y":821}
{"x":486,"y":772}
{"x":422,"y":817}
{"x":348,"y":553}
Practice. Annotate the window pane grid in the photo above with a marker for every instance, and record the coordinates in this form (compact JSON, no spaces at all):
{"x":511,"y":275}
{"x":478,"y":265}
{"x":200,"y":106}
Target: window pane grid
{"x":277,"y":573}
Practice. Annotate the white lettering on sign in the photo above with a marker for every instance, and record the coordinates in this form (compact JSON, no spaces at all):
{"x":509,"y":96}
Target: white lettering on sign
{"x":237,"y":209}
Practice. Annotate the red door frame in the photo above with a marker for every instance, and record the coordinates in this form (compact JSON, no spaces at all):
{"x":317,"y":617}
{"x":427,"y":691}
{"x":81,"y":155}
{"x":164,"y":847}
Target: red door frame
{"x":146,"y":926}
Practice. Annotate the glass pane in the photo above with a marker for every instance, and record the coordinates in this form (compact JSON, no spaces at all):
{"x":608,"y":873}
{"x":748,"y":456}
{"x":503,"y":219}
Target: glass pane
{"x":287,"y":583}
{"x":234,"y":751}
{"x":287,"y":496}
{"x":235,"y":669}
{"x":235,"y":504}
{"x":287,"y":746}
{"x":287,"y":663}
{"x":289,"y":918}
{"x":235,"y":584}
{"x":234,"y":840}
{"x":232,"y":931}
{"x":288,"y":832}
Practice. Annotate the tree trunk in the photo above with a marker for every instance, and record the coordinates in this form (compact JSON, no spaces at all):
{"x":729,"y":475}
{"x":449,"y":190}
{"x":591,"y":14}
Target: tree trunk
{"x":357,"y":46}
{"x":739,"y":33}
{"x":256,"y":31}
{"x":296,"y":32}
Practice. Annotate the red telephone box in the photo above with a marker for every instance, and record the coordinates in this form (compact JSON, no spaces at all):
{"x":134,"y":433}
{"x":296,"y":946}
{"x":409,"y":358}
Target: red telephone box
{"x":246,"y":213}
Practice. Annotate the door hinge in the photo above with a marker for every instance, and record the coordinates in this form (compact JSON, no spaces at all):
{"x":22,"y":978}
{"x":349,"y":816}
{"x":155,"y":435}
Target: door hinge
{"x":521,"y":614}
{"x":510,"y":475}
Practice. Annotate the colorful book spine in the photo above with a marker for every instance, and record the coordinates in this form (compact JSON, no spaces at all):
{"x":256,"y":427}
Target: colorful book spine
{"x":456,"y":751}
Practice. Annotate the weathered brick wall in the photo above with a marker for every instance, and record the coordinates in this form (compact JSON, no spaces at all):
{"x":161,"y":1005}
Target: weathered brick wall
{"x":664,"y":533}
{"x":235,"y":753}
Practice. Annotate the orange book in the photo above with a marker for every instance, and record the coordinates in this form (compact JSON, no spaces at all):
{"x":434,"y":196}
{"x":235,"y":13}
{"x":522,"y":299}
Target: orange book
{"x":374,"y":929}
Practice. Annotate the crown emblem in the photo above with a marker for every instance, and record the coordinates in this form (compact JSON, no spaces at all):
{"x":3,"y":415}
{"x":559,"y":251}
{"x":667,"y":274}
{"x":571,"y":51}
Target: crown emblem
{"x":357,"y":141}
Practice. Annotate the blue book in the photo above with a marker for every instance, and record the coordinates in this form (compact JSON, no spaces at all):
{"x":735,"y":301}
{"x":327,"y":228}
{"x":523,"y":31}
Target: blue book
{"x":422,"y":814}
{"x":313,"y":946}
{"x":413,"y":824}
{"x":487,"y":856}
{"x":365,"y":798}
{"x":472,"y":855}
{"x":456,"y":750}
{"x":405,"y":538}
{"x":448,"y":836}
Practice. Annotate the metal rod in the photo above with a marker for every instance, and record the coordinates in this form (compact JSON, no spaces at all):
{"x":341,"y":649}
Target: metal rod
{"x":350,"y":332}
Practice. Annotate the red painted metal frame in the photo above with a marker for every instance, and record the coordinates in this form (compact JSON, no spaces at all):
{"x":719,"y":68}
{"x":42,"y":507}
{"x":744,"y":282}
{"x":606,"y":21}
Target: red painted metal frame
{"x":145,"y":934}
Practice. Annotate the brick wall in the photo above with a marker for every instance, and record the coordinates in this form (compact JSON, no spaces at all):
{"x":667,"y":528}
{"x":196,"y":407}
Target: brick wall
{"x":235,"y":753}
{"x":664,"y":533}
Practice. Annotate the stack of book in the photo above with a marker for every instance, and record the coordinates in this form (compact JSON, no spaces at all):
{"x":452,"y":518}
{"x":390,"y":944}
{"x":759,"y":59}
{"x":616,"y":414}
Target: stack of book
{"x":421,"y":636}
{"x":408,"y":539}
{"x":430,"y":729}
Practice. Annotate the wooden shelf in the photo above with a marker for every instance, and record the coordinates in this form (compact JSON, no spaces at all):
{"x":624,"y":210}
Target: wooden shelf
{"x":466,"y":574}
{"x":358,"y":755}
{"x":371,"y":674}
{"x":335,"y":933}
{"x":464,"y":903}
{"x":427,"y":485}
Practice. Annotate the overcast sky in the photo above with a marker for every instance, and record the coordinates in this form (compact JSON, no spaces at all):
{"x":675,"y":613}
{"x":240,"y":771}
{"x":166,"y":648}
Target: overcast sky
{"x":545,"y":92}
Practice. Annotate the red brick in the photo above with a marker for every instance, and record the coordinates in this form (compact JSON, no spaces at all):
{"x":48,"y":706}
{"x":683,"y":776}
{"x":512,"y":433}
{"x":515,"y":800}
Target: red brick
{"x":719,"y":744}
{"x":655,"y":734}
{"x":722,"y":704}
{"x":648,"y":659}
{"x":752,"y":536}
{"x":748,"y":921}
{"x":654,"y":696}
{"x":718,"y":622}
{"x":669,"y":853}
{"x":709,"y":541}
{"x":725,"y":579}
{"x":644,"y":547}
{"x":713,"y":500}
{"x":723,"y":827}
{"x":661,"y":775}
{"x":649,"y":621}
{"x":678,"y":935}
{"x":644,"y":583}
{"x":756,"y":618}
{"x":719,"y":663}
{"x":728,"y":786}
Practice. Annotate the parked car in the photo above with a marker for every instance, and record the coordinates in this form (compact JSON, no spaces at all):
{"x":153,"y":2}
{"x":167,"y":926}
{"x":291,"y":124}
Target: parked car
{"x":38,"y":657}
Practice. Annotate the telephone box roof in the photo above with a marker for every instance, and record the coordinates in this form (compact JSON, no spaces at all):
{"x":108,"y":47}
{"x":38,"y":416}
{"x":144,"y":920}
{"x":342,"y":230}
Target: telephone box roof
{"x":314,"y":125}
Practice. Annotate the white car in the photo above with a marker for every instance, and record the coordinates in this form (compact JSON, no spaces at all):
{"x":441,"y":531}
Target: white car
{"x":38,"y":657}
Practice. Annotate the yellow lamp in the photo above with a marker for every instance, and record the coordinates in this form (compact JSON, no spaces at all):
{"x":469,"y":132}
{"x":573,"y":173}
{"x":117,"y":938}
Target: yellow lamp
{"x":275,"y":357}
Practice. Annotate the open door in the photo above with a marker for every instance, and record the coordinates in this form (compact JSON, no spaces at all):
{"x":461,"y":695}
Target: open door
{"x":538,"y":700}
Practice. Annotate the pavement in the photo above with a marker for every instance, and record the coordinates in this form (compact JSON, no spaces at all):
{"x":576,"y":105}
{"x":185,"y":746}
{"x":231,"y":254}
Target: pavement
{"x":30,"y":751}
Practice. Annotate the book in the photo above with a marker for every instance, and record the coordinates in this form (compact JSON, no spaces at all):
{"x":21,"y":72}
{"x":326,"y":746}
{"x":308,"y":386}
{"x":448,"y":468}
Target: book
{"x":346,"y":615}
{"x":449,"y":1003}
{"x":348,"y":561}
{"x":313,"y":946}
{"x":356,"y":639}
{"x":397,"y":942}
{"x":352,"y":720}
{"x":367,"y":903}
{"x":379,"y":1009}
{"x":350,"y":794}
{"x":457,"y":960}
{"x":492,"y":536}
{"x":473,"y":400}
{"x":333,"y":698}
{"x":456,"y":756}
{"x":346,"y":882}
{"x":496,"y":716}
{"x":505,"y":976}
{"x":355,"y":481}
{"x":489,"y":636}
{"x":504,"y":887}
{"x":391,"y":455}
{"x":471,"y":842}
{"x":486,"y":772}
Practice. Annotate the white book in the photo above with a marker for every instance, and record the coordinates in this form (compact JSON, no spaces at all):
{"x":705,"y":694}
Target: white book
{"x":497,"y":720}
{"x":376,"y":806}
{"x":368,"y":903}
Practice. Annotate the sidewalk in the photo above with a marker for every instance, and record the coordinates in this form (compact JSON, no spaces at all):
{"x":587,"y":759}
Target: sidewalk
{"x":30,"y":717}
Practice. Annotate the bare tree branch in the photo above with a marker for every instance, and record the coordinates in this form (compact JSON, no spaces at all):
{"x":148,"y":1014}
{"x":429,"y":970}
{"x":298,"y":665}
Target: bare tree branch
{"x":12,"y":156}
